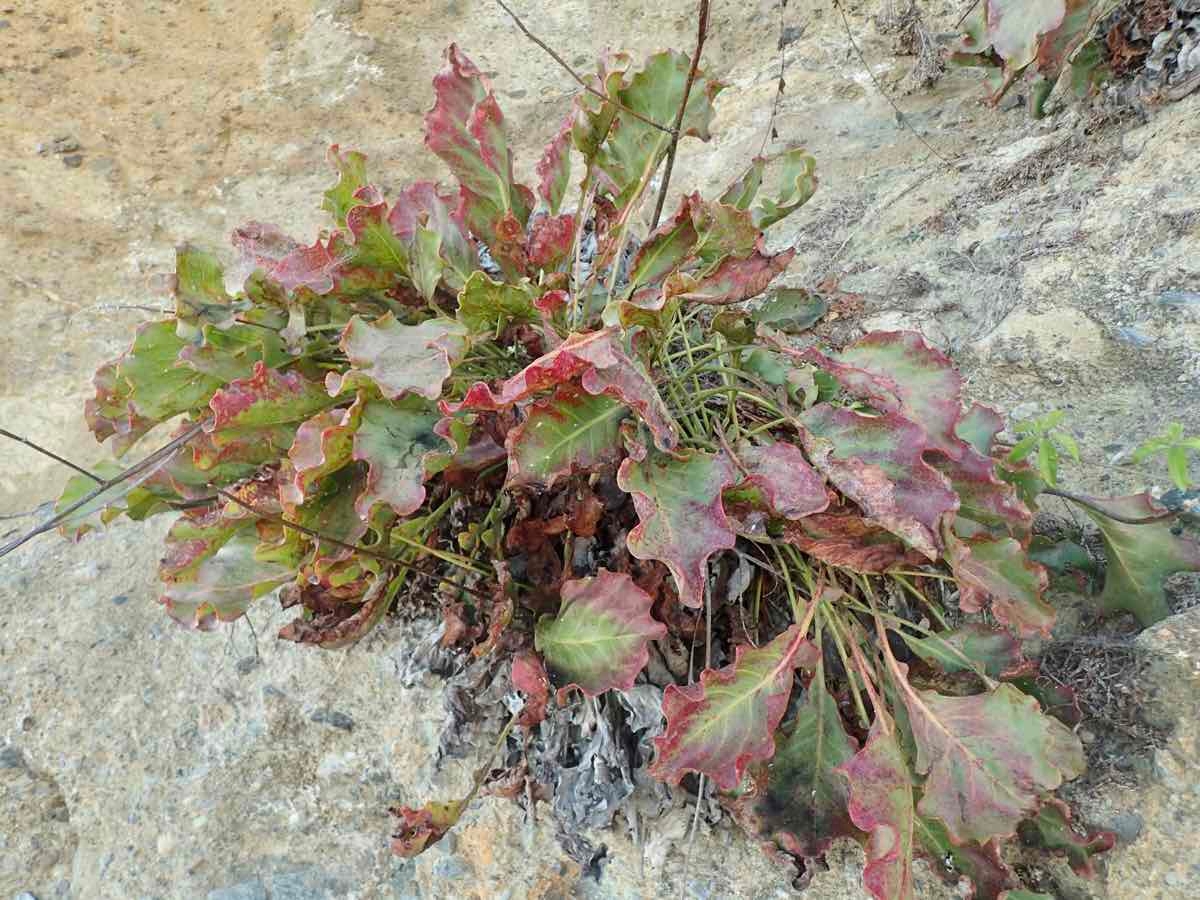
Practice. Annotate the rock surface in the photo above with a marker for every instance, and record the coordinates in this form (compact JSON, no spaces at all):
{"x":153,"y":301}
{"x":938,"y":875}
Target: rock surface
{"x":137,"y":760}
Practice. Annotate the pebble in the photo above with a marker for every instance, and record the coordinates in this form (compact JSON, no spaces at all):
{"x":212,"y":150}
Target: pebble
{"x":1133,"y":337}
{"x":1127,"y":825}
{"x":73,"y":161}
{"x":333,"y":717}
{"x":450,"y":867}
{"x":1180,"y":299}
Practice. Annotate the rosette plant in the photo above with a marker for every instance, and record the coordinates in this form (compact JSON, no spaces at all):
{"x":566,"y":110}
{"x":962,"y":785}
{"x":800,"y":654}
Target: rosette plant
{"x":568,"y":436}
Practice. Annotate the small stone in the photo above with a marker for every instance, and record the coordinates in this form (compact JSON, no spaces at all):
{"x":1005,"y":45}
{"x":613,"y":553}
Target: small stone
{"x":245,"y":890}
{"x":73,"y":161}
{"x":247,"y":664}
{"x":65,"y":52}
{"x":1180,"y":299}
{"x":450,"y":867}
{"x":1127,"y":825}
{"x":11,"y":758}
{"x":24,"y":895}
{"x":1133,"y":336}
{"x":120,"y":599}
{"x":4,"y":23}
{"x":333,"y":717}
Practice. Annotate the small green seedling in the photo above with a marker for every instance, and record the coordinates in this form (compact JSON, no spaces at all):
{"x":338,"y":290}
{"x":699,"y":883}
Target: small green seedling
{"x":1175,"y":447}
{"x":1043,"y":437}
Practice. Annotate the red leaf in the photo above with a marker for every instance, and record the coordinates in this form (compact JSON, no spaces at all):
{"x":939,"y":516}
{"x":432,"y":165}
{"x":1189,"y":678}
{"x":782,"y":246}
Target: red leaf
{"x":681,"y":517}
{"x":554,"y":168}
{"x":844,"y":538}
{"x":726,"y":721}
{"x":420,"y":829}
{"x":314,"y":268}
{"x":734,"y":280}
{"x":550,"y":240}
{"x":529,"y":677}
{"x":1000,"y":569}
{"x":267,"y":398}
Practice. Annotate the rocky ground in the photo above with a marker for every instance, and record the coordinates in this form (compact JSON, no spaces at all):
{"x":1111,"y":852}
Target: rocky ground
{"x":1059,"y":262}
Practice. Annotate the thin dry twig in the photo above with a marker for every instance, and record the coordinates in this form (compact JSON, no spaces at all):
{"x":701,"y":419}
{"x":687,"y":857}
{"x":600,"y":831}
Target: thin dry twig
{"x":50,"y":453}
{"x":582,"y":83}
{"x":900,"y":116}
{"x":701,"y":34}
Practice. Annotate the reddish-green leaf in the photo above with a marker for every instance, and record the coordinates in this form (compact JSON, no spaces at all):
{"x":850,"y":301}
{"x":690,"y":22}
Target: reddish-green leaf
{"x":734,"y":280}
{"x":424,"y":205}
{"x":1052,"y":830}
{"x":598,"y":641}
{"x":222,"y":585}
{"x":420,"y":829}
{"x":466,"y":129}
{"x":572,"y":431}
{"x":877,"y":462}
{"x":681,"y":518}
{"x":554,"y":168}
{"x":846,"y":539}
{"x":376,"y":244}
{"x":899,"y":372}
{"x":395,"y":440}
{"x":666,"y":248}
{"x":598,"y":361}
{"x":793,"y":489}
{"x":399,"y":359}
{"x":978,"y":426}
{"x":322,"y":444}
{"x":799,"y":798}
{"x":1140,"y":557}
{"x":268,"y":398}
{"x":1001,"y":570}
{"x":1014,"y":26}
{"x":726,"y":721}
{"x":199,"y":290}
{"x":988,"y":757}
{"x":550,"y":241}
{"x":530,"y":678}
{"x":972,"y":647}
{"x":981,"y":863}
{"x":882,"y":804}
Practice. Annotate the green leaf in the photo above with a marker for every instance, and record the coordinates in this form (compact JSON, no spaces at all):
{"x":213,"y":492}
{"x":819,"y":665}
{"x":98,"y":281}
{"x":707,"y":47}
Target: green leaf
{"x":396,"y":441}
{"x":599,"y":639}
{"x":797,"y":182}
{"x":573,"y":431}
{"x":229,"y":354}
{"x":352,"y":175}
{"x":1140,"y":557}
{"x":725,"y":721}
{"x":666,"y":248}
{"x":400,"y":359}
{"x":799,"y":799}
{"x":376,"y":244}
{"x":200,"y":296}
{"x":1051,"y":830}
{"x":1067,"y":442}
{"x":427,"y":264}
{"x":972,"y":647}
{"x":1177,"y":466}
{"x":988,"y":757}
{"x":488,"y":307}
{"x":978,"y":426}
{"x":882,"y":804}
{"x":681,"y":520}
{"x":626,"y":151}
{"x":790,"y":310}
{"x":1047,"y":461}
{"x":322,"y":444}
{"x":981,"y":863}
{"x":1022,"y":448}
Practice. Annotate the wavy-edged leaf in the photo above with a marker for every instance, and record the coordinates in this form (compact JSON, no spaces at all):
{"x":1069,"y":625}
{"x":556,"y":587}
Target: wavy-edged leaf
{"x":726,"y":721}
{"x":987,"y":503}
{"x":972,"y":647}
{"x":315,"y":268}
{"x":790,"y":310}
{"x":1140,"y":557}
{"x":146,"y":386}
{"x":550,"y":241}
{"x":978,"y":426}
{"x":425,"y":205}
{"x":347,"y":623}
{"x":877,"y":462}
{"x":1014,"y":27}
{"x":799,"y":799}
{"x":666,"y":248}
{"x":222,"y":586}
{"x":733,"y":280}
{"x":988,"y":757}
{"x":1051,"y":829}
{"x":138,"y":498}
{"x":571,"y":431}
{"x":400,"y":359}
{"x":882,"y":804}
{"x":395,"y":440}
{"x":845,"y":539}
{"x":199,"y":291}
{"x":792,"y":488}
{"x":1001,"y":570}
{"x":267,"y":398}
{"x":599,"y":639}
{"x":488,"y":307}
{"x":194,"y":537}
{"x":352,"y":176}
{"x":602,"y":367}
{"x":376,"y":244}
{"x":899,"y":372}
{"x":681,"y":519}
{"x":466,"y":129}
{"x":981,"y":863}
{"x":792,"y":183}
{"x":322,"y":444}
{"x":230,"y":353}
{"x":627,"y":150}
